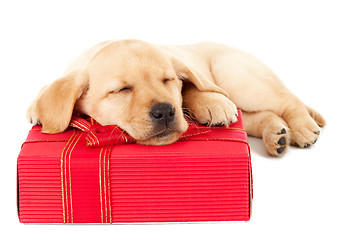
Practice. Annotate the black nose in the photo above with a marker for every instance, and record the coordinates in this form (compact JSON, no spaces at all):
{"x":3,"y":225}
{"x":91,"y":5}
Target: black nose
{"x":162,"y":113}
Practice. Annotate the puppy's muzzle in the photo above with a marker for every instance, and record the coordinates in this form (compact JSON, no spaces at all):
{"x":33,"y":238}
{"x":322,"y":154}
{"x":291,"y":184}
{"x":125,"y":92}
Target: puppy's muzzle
{"x":162,"y":114}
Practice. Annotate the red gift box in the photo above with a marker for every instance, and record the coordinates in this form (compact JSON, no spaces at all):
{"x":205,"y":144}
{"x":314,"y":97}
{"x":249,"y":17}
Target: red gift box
{"x":88,"y":174}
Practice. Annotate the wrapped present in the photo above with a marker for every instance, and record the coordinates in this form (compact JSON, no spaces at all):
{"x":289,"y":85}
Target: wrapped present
{"x":97,"y":174}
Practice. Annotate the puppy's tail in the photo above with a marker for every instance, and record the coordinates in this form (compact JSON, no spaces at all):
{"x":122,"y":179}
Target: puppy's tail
{"x":320,"y":120}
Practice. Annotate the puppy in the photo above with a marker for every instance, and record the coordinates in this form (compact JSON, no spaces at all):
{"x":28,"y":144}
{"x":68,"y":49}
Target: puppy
{"x":143,"y":89}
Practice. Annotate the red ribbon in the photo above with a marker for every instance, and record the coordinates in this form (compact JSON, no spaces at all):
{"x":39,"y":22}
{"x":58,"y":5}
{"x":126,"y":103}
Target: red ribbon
{"x":100,"y":136}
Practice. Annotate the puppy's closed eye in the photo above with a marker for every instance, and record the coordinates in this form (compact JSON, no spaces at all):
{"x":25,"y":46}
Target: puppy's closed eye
{"x":166,"y":80}
{"x":126,"y":89}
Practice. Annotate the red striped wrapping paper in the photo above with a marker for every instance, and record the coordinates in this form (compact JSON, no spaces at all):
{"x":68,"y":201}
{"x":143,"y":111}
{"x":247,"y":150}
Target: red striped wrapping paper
{"x":205,"y":176}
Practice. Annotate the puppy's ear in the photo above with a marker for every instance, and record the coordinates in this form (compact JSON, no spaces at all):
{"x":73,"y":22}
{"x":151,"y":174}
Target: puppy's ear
{"x":54,"y":105}
{"x":186,"y":74}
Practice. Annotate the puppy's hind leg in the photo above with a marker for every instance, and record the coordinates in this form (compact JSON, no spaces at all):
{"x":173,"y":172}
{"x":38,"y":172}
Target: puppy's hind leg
{"x":253,"y":87}
{"x":271,"y":128}
{"x":316,"y":116}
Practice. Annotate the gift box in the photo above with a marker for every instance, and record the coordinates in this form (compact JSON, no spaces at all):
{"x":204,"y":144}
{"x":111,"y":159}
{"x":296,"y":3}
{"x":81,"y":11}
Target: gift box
{"x":96,"y":174}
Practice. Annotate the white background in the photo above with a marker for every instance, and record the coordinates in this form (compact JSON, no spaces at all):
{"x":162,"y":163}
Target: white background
{"x":312,"y":45}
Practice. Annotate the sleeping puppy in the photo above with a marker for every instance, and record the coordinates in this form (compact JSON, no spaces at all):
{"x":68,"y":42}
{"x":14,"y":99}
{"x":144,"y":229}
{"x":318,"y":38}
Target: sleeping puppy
{"x":143,"y":89}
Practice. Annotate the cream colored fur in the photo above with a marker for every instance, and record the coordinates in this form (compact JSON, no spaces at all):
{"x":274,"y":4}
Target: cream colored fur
{"x":117,"y":82}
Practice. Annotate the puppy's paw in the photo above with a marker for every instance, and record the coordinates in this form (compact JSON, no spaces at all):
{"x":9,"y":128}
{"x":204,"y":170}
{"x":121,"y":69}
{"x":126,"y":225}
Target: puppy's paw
{"x":276,"y":138}
{"x":212,"y":109}
{"x":32,"y":115}
{"x":304,"y":132}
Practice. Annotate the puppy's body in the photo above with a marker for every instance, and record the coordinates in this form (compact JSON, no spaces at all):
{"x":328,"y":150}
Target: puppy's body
{"x":117,"y":78}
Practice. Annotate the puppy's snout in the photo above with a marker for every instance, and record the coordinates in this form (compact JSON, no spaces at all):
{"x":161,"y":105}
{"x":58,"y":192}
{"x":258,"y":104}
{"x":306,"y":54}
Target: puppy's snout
{"x":162,"y":113}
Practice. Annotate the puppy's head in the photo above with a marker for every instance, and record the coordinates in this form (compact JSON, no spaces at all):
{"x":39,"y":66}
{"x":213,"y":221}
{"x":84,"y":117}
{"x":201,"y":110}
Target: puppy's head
{"x":131,"y":84}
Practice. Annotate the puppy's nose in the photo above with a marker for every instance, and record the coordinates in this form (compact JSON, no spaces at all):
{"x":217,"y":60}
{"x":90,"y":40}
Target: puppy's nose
{"x":162,"y":113}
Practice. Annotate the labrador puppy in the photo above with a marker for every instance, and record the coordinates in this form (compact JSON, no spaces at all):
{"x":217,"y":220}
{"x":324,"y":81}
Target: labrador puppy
{"x":144,"y":88}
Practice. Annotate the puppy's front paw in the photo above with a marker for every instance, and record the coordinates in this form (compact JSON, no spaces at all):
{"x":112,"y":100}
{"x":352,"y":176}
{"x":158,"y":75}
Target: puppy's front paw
{"x":212,"y":109}
{"x":32,"y":115}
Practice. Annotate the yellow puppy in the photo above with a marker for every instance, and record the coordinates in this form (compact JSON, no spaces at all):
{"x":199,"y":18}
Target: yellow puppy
{"x":143,"y":89}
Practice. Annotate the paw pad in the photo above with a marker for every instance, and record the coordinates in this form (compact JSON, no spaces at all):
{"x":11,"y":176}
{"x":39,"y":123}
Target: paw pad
{"x":276,"y":140}
{"x":282,"y":141}
{"x":280,"y":150}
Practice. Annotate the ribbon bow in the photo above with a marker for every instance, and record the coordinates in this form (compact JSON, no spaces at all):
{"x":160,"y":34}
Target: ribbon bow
{"x":99,"y":136}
